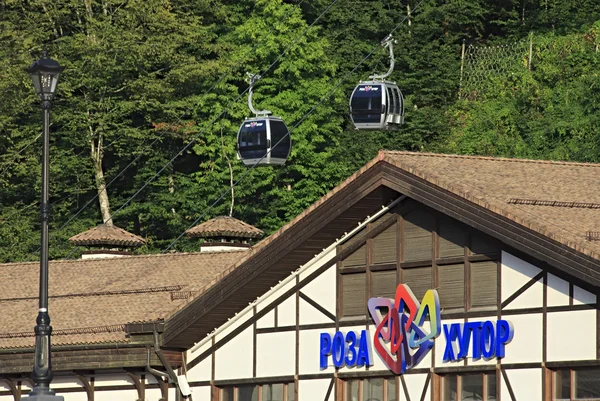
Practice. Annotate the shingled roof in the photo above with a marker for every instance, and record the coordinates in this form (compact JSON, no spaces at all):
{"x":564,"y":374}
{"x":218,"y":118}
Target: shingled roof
{"x":560,"y":200}
{"x":225,"y":226}
{"x":107,"y":235}
{"x":91,"y":300}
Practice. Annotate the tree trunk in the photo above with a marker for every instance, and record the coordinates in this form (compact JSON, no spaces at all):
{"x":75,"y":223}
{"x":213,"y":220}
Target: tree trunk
{"x":97,"y":157}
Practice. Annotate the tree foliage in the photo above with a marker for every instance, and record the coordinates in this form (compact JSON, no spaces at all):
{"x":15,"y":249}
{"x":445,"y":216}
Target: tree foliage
{"x":150,"y":77}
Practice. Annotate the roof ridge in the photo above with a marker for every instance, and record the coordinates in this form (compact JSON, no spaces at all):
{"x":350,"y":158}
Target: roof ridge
{"x":78,"y":330}
{"x":169,"y":288}
{"x":490,"y":158}
{"x":148,"y":255}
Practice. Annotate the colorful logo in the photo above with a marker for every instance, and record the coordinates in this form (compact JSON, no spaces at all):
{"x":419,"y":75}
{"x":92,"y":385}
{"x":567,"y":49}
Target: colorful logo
{"x":369,"y":88}
{"x":254,"y":124}
{"x":402,"y":338}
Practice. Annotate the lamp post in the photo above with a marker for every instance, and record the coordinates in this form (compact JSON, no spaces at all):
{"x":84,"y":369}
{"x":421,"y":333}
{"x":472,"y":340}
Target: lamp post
{"x":44,"y":73}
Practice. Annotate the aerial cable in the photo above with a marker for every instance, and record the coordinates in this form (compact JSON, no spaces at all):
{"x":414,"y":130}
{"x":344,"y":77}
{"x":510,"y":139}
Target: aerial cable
{"x":288,"y":133}
{"x":193,"y":140}
{"x":178,"y":120}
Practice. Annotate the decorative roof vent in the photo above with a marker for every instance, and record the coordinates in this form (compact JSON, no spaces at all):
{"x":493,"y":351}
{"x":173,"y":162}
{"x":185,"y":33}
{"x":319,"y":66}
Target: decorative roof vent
{"x":224,"y":233}
{"x":105,"y":241}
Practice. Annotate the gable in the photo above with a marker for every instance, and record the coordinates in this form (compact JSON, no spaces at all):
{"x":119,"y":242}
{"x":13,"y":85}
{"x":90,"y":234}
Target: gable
{"x":277,"y":339}
{"x":383,"y":179}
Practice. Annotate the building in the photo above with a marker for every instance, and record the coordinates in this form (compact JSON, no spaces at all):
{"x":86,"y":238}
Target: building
{"x":421,"y":277}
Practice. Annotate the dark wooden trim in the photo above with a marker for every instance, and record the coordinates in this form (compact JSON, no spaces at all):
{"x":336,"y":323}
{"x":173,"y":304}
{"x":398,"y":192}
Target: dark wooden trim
{"x":283,"y":329}
{"x":524,"y":288}
{"x":508,"y":386}
{"x":164,"y":387}
{"x":254,"y":332}
{"x":406,"y":393}
{"x":328,"y":394}
{"x":256,"y":380}
{"x":464,"y":369}
{"x":316,"y":306}
{"x":297,"y":342}
{"x":589,"y":363}
{"x":545,"y":316}
{"x":201,"y":383}
{"x":15,"y":391}
{"x":383,"y":267}
{"x":87,"y":387}
{"x":213,"y":352}
{"x":523,"y":365}
{"x":426,"y":387}
{"x":139,"y":386}
{"x":315,"y":376}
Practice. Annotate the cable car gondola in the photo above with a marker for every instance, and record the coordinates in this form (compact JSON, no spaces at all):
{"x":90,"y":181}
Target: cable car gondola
{"x":263,"y":140}
{"x":378,"y":104}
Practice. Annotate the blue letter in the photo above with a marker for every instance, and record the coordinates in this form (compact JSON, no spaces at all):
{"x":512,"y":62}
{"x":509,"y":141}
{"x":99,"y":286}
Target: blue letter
{"x":351,"y":340}
{"x":504,"y":333}
{"x":451,"y":334}
{"x":364,"y":351}
{"x":325,"y":349}
{"x":338,"y":350}
{"x":488,"y":343}
{"x":474,"y":327}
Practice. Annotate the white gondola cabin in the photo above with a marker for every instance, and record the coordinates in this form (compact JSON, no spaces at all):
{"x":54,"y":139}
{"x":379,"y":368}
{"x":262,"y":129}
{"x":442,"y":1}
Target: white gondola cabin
{"x":263,"y":140}
{"x":378,"y":104}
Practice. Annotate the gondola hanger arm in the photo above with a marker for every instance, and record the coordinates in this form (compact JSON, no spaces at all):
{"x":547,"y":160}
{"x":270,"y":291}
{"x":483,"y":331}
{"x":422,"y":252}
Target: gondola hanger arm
{"x":253,"y":78}
{"x":388,"y":42}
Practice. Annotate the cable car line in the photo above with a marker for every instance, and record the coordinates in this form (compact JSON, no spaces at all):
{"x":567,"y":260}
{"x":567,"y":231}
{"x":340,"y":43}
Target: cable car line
{"x":226,"y":109}
{"x":325,"y":97}
{"x":176,"y":122}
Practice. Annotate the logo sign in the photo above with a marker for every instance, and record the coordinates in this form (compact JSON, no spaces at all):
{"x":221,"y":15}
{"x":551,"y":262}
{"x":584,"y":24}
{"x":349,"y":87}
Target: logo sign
{"x":405,"y":333}
{"x":368,"y":88}
{"x":401,"y":338}
{"x":254,"y":124}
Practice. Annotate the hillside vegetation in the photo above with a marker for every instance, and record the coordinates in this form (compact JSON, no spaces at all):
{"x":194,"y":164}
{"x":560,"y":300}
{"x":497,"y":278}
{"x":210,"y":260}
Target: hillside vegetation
{"x":143,"y":78}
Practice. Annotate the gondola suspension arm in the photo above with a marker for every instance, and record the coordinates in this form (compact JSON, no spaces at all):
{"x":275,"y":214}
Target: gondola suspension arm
{"x":389,"y":43}
{"x":253,"y":79}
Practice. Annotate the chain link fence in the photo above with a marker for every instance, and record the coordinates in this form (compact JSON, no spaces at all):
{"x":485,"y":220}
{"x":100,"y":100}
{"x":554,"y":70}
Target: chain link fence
{"x":480,"y":65}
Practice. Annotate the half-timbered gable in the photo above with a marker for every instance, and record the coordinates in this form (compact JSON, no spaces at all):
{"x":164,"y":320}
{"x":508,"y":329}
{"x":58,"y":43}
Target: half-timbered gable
{"x":421,"y":277}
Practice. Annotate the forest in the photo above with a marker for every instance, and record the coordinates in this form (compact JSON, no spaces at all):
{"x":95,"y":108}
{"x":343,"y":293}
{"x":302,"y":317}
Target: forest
{"x":154,"y":92}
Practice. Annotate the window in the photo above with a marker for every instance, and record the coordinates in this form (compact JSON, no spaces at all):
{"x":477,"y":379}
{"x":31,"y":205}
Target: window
{"x":375,"y":389}
{"x":263,"y":392}
{"x":576,"y":384}
{"x":469,"y":387}
{"x":354,"y":302}
{"x":484,"y":284}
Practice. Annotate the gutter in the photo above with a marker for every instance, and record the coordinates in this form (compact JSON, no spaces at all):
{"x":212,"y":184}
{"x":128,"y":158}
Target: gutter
{"x":302,"y":268}
{"x":183,"y":388}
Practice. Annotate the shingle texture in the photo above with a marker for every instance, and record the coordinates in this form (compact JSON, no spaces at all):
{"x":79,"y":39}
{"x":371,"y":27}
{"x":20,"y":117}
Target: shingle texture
{"x":107,"y":235}
{"x":91,"y":300}
{"x":225,"y":226}
{"x":556,"y":199}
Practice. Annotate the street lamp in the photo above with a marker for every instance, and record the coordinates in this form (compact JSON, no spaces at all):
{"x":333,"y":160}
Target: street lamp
{"x":44,"y":73}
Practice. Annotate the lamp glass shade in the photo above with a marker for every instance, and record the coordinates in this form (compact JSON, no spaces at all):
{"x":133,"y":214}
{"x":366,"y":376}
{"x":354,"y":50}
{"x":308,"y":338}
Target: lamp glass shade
{"x":44,"y":74}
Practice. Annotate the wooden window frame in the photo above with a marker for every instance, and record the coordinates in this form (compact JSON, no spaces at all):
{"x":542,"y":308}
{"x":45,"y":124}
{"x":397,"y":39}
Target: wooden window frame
{"x":572,"y":387}
{"x":259,"y":387}
{"x":360,"y":386}
{"x":459,"y":378}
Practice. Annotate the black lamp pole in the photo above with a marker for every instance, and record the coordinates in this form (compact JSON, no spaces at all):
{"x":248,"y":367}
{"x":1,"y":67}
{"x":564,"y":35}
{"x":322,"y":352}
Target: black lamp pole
{"x":44,"y":73}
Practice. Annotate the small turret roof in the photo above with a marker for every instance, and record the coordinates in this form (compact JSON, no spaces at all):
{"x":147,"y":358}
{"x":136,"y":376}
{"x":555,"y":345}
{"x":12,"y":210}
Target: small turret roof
{"x":107,"y":235}
{"x":225,"y":226}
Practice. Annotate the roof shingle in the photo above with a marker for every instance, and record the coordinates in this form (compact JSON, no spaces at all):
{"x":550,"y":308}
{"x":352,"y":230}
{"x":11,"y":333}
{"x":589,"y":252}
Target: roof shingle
{"x":225,"y":226}
{"x":107,"y":235}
